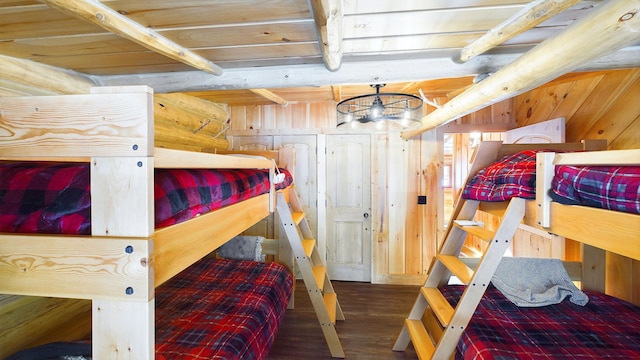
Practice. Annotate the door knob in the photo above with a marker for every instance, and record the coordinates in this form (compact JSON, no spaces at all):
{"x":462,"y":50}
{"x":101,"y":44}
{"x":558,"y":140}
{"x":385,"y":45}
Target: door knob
{"x":366,"y":215}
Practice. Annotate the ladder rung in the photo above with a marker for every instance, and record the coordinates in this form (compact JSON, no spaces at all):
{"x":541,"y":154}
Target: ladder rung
{"x":318,"y":274}
{"x":439,"y":304}
{"x":297,"y":217}
{"x":308,"y":246}
{"x":330,"y":301}
{"x":470,"y":252}
{"x":457,"y":267}
{"x":478,"y":231}
{"x":422,"y":343}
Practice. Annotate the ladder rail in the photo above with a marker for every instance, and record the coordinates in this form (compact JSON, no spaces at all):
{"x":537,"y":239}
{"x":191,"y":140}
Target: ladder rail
{"x":312,"y":269}
{"x":454,"y":321}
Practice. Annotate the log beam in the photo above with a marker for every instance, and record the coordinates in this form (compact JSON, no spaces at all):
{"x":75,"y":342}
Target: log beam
{"x":109,"y":19}
{"x":336,"y":91}
{"x":531,"y":15}
{"x":270,"y":96}
{"x":611,"y":26}
{"x":38,"y":79}
{"x":328,"y":19}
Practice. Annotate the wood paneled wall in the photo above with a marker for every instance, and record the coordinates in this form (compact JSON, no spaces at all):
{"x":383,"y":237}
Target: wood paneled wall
{"x":405,"y":234}
{"x":604,"y":105}
{"x":595,"y":105}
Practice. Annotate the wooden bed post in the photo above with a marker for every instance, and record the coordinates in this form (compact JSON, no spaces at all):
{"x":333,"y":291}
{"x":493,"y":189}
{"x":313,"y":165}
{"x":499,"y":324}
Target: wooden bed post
{"x":123,"y":205}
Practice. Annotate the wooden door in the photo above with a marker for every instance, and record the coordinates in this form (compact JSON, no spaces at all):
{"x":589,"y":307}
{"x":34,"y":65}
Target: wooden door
{"x":349,"y":207}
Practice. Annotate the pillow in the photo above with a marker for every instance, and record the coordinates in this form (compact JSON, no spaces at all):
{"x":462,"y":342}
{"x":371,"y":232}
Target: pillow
{"x":243,"y":248}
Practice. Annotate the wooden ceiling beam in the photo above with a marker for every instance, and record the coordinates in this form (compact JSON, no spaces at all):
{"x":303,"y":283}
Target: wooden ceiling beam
{"x":351,"y":72}
{"x":336,"y":91}
{"x":611,"y":26}
{"x":37,"y":78}
{"x":531,"y":15}
{"x":410,"y":86}
{"x":328,"y":18}
{"x":109,"y":19}
{"x":270,"y":96}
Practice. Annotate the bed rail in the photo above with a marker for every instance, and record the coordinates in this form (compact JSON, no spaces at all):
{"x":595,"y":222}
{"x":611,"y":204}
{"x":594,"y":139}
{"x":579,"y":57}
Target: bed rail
{"x":613,"y":231}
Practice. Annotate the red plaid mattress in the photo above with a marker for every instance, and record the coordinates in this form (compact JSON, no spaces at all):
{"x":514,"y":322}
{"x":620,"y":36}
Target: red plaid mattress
{"x":215,"y":309}
{"x":55,"y":198}
{"x":512,"y":176}
{"x":612,"y":188}
{"x":606,"y":328}
{"x":221,"y":309}
{"x":606,"y":187}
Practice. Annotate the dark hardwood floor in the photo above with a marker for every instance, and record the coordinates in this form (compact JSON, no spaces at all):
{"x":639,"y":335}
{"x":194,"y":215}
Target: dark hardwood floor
{"x":374,"y":315}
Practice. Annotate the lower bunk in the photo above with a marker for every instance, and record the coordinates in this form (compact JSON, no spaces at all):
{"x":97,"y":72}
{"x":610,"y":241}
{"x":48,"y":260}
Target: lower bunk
{"x":215,"y":309}
{"x":604,"y":328}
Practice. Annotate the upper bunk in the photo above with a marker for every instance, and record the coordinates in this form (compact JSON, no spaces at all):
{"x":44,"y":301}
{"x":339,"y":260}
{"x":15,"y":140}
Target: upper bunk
{"x":610,"y":230}
{"x":112,"y":130}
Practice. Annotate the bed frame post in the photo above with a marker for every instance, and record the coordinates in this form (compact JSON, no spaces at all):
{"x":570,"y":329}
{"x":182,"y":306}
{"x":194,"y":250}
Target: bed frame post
{"x":123,"y":205}
{"x":545,"y":170}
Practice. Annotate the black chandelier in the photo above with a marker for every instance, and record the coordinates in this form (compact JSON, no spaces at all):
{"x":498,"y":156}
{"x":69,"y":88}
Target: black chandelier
{"x":380,"y":112}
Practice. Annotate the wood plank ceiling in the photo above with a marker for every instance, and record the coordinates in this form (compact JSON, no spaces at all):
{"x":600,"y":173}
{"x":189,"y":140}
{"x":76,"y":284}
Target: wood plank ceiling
{"x":243,"y":52}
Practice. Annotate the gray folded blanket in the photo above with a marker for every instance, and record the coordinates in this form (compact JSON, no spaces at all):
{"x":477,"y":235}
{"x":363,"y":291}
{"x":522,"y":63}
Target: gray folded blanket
{"x":530,"y":282}
{"x":243,"y":248}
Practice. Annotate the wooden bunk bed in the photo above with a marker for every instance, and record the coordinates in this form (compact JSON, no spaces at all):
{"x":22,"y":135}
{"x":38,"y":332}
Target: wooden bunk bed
{"x":479,"y":322}
{"x":120,"y":264}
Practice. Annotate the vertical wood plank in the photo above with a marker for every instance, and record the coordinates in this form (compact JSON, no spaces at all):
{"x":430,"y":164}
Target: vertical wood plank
{"x":284,"y":117}
{"x":122,"y":197}
{"x":125,"y":329}
{"x":238,"y":117}
{"x":299,"y":115}
{"x":396,"y":206}
{"x":269,"y":114}
{"x":431,"y":214}
{"x":254,"y":117}
{"x":619,"y":276}
{"x":380,"y":220}
{"x":593,"y":268}
{"x":321,"y":141}
{"x":413,"y":231}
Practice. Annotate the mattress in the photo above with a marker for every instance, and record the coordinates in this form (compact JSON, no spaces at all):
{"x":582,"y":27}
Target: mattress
{"x":221,"y":309}
{"x":606,"y":328}
{"x":55,"y":198}
{"x":216,"y":309}
{"x":512,"y":176}
{"x":607,"y":187}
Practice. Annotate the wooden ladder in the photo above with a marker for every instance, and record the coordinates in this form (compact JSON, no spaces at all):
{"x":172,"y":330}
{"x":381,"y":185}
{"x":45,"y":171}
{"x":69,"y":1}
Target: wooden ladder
{"x":434,"y":326}
{"x":311,"y":267}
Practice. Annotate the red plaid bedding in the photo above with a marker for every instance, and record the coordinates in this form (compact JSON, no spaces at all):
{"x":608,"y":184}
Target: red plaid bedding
{"x":55,"y":198}
{"x":612,"y":188}
{"x":512,"y":176}
{"x":215,"y":309}
{"x":221,"y":309}
{"x":606,"y":328}
{"x":606,"y":187}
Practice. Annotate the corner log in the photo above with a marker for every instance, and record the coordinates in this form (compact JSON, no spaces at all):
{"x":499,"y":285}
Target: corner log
{"x":612,"y":26}
{"x":186,"y":122}
{"x":38,"y":79}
